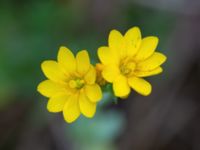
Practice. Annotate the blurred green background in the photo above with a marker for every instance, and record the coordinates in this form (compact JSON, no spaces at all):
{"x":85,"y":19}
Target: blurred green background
{"x":33,"y":30}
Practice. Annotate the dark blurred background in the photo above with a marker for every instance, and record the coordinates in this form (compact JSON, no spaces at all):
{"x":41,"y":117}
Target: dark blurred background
{"x":32,"y":31}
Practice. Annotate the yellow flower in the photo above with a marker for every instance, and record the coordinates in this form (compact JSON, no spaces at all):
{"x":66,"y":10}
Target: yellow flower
{"x":127,"y":59}
{"x":71,"y":86}
{"x":100,"y":80}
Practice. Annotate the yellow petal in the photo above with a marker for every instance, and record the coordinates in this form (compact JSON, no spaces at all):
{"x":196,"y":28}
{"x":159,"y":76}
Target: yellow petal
{"x":66,"y":60}
{"x":83,"y":61}
{"x":148,"y":73}
{"x":152,"y":62}
{"x":71,"y":109}
{"x":49,"y":88}
{"x":147,"y":48}
{"x":133,"y":40}
{"x":121,"y":87}
{"x":93,"y":92}
{"x":90,"y":77}
{"x":57,"y":103}
{"x":52,"y":71}
{"x":110,"y":72}
{"x":106,"y":56}
{"x":116,"y":43}
{"x":87,"y":107}
{"x":140,"y":85}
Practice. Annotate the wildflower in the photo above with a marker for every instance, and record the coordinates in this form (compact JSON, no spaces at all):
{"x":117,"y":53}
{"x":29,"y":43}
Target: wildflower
{"x":129,"y":58}
{"x":71,"y":86}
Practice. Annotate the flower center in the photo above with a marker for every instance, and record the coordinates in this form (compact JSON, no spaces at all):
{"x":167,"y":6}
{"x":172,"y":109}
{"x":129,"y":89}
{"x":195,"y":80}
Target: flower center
{"x":127,"y":67}
{"x":76,"y":83}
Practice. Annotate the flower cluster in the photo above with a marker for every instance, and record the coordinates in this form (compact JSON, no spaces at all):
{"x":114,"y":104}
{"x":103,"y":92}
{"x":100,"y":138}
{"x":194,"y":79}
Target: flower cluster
{"x":74,"y":84}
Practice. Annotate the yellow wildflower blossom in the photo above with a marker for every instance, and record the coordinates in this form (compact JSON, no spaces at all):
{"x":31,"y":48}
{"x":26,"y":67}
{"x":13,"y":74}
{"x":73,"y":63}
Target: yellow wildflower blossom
{"x":71,"y":86}
{"x":129,"y":58}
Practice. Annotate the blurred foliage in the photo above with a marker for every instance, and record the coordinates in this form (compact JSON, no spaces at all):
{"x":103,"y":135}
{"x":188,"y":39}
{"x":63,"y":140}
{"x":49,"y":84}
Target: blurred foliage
{"x":32,"y":31}
{"x":97,"y":133}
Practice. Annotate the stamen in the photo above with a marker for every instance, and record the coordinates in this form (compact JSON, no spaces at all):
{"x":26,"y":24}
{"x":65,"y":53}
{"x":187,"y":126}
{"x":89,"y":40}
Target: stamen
{"x":76,"y":83}
{"x":72,"y":84}
{"x":127,"y":67}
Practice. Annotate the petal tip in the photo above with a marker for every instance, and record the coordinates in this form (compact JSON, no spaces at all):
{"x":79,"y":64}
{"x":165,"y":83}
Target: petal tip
{"x":114,"y":32}
{"x":165,"y":58}
{"x":136,"y":28}
{"x":89,"y":115}
{"x":43,"y":64}
{"x":83,"y":51}
{"x":68,"y":119}
{"x":62,"y":47}
{"x":148,"y":92}
{"x":46,"y":62}
{"x":39,"y":87}
{"x":156,"y":39}
{"x":123,"y":93}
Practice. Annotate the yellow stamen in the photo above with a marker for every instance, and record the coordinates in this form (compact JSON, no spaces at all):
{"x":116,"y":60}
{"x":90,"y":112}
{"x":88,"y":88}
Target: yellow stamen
{"x":127,"y":67}
{"x":76,"y":84}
